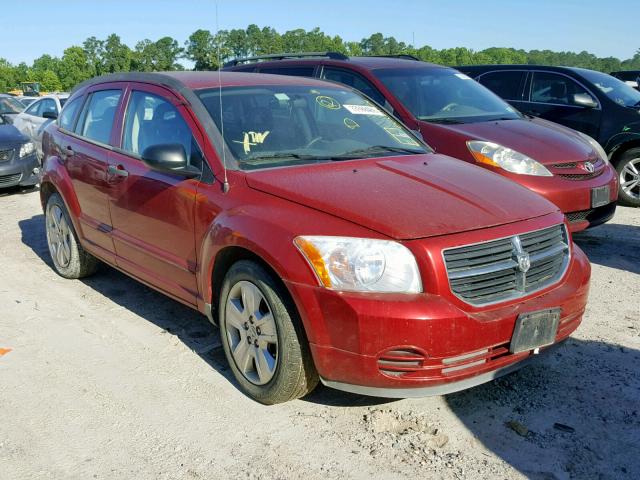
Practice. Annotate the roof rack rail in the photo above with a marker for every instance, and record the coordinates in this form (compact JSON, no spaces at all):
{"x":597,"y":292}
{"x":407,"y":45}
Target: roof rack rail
{"x":406,"y":56}
{"x":284,"y":56}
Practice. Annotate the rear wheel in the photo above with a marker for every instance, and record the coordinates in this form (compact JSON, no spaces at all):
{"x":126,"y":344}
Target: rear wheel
{"x":70,"y":260}
{"x":262,"y":336}
{"x":628,"y":169}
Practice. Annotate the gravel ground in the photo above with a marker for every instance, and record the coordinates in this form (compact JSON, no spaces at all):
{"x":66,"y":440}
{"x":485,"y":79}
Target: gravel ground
{"x":105,"y":378}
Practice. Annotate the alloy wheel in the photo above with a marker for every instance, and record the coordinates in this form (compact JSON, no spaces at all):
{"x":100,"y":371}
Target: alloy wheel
{"x":251,"y":332}
{"x":58,"y":236}
{"x":630,"y":178}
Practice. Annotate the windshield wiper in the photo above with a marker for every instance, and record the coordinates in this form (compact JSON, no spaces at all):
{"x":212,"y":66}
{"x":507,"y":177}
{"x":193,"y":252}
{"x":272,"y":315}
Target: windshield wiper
{"x":282,"y":156}
{"x":444,"y":121}
{"x":373,"y":150}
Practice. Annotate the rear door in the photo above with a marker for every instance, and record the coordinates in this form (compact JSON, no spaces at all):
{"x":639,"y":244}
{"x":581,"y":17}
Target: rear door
{"x":85,"y":147}
{"x":552,"y":96}
{"x":152,"y":211}
{"x":507,"y":84}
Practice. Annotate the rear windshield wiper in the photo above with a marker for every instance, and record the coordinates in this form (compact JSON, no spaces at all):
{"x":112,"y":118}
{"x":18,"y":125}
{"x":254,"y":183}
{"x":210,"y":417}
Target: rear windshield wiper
{"x":373,"y":150}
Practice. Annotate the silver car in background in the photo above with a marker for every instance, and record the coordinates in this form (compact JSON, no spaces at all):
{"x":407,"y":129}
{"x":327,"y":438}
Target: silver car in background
{"x":35,"y":118}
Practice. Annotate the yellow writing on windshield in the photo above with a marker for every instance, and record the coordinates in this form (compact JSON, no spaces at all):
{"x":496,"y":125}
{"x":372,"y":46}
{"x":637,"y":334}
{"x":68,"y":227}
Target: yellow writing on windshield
{"x":251,"y":139}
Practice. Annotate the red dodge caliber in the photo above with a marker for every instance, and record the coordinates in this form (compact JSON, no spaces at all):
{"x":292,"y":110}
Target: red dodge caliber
{"x":326,"y":241}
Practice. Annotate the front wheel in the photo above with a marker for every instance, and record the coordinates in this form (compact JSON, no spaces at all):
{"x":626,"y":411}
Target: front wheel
{"x":628,"y":169}
{"x":262,"y":336}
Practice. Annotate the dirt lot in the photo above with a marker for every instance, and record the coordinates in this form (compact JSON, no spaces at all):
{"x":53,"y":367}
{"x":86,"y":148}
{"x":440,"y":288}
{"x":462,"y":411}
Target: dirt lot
{"x":109,"y":379}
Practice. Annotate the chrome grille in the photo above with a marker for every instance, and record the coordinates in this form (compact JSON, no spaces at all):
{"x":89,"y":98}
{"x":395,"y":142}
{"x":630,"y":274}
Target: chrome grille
{"x":6,"y":155}
{"x":508,"y":268}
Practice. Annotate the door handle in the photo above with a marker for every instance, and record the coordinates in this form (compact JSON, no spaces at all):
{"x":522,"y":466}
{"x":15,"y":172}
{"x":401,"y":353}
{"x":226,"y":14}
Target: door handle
{"x":66,"y":152}
{"x":118,"y":171}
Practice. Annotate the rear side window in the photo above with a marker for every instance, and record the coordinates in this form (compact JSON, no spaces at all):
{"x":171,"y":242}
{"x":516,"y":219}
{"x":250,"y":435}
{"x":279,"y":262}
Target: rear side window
{"x":354,"y":81}
{"x":69,"y":114}
{"x":152,"y":120}
{"x":292,"y":71}
{"x":555,"y":89}
{"x":505,"y":84}
{"x":97,"y":117}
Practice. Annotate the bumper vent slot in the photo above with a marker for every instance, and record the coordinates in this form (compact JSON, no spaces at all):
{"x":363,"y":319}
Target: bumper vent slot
{"x":508,"y":268}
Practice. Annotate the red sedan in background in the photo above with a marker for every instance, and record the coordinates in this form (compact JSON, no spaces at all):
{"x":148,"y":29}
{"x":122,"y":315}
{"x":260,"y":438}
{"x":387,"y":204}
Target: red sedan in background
{"x":461,"y":118}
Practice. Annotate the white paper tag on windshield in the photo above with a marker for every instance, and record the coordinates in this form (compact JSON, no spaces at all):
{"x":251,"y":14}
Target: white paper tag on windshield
{"x":363,"y":110}
{"x":281,"y":96}
{"x":462,"y":76}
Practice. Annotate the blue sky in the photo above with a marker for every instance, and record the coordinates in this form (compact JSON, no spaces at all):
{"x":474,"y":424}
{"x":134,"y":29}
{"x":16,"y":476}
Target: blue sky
{"x":604,"y":28}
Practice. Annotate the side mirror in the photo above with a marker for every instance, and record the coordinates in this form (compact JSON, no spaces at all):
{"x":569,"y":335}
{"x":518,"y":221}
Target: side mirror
{"x":169,"y":158}
{"x":50,"y":115}
{"x":584,"y":100}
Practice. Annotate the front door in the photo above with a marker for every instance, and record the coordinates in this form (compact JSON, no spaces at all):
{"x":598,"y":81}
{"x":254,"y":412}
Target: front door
{"x":153,"y":212}
{"x":552,"y":97}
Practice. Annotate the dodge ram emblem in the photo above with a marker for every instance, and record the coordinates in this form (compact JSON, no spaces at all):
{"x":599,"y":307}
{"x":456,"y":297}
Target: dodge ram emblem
{"x":588,"y":167}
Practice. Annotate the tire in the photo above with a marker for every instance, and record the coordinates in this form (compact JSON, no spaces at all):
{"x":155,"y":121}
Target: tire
{"x":263,"y":337}
{"x":69,"y":259}
{"x":628,"y":168}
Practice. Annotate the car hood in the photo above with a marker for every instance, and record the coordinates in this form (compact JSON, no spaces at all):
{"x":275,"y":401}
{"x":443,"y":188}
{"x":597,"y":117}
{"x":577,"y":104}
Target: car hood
{"x":10,"y":135}
{"x":405,"y":197}
{"x":544,"y":141}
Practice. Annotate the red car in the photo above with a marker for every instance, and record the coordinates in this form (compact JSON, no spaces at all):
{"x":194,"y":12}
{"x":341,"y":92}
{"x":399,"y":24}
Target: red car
{"x":325,"y":239}
{"x":461,"y":118}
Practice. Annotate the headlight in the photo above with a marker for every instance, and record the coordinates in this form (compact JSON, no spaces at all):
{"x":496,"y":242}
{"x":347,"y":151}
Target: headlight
{"x":596,"y":146}
{"x":27,"y":149}
{"x":498,"y":156}
{"x":361,"y":265}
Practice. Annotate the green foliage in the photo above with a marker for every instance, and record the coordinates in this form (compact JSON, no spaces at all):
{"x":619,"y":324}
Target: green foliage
{"x":206,"y":50}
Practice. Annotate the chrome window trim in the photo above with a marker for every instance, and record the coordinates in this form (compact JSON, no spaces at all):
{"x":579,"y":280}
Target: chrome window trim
{"x":518,"y":295}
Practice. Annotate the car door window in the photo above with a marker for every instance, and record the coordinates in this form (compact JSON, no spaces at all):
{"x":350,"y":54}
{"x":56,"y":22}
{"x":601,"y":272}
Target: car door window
{"x":552,"y":88}
{"x":96,"y":120}
{"x":505,"y":84}
{"x":152,"y":120}
{"x":34,"y":109}
{"x":48,"y":105}
{"x":68,"y":114}
{"x":353,"y":80}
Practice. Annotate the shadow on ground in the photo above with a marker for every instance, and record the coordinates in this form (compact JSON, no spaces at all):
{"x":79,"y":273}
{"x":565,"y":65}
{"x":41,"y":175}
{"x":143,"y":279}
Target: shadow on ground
{"x":5,"y":192}
{"x":612,"y":245}
{"x":192,"y":328}
{"x":575,"y":413}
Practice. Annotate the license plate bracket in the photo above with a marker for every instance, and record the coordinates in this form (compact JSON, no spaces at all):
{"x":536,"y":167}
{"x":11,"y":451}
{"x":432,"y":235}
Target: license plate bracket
{"x":599,"y":196}
{"x":534,"y":330}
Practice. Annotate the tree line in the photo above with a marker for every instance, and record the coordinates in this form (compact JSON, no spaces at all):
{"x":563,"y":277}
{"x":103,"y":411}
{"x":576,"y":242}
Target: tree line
{"x":206,"y":50}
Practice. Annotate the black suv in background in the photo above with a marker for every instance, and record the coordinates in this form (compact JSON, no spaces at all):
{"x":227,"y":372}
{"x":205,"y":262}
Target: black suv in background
{"x":629,"y":77}
{"x":591,"y":102}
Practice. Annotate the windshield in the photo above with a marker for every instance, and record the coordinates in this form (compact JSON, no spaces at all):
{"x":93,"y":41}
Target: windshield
{"x":280,"y":125}
{"x":615,"y":89}
{"x":444,"y":95}
{"x":10,"y":105}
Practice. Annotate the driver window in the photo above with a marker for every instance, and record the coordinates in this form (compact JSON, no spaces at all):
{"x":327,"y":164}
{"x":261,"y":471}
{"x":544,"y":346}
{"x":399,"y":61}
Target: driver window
{"x":152,"y":120}
{"x":34,"y":108}
{"x":554,"y":89}
{"x":48,"y":105}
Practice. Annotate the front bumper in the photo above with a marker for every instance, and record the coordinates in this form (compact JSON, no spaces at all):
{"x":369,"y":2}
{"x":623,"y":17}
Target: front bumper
{"x":19,"y":171}
{"x":573,"y":196}
{"x":429,"y":343}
